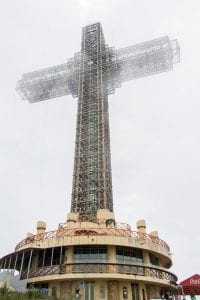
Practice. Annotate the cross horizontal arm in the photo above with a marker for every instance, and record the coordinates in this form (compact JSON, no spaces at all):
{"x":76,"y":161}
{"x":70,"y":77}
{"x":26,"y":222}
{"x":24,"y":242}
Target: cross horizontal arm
{"x":145,"y":59}
{"x":51,"y":82}
{"x":119,"y":65}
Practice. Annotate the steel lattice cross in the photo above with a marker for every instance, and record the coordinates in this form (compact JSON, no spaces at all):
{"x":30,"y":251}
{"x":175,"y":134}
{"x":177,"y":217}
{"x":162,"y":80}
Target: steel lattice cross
{"x":91,"y":75}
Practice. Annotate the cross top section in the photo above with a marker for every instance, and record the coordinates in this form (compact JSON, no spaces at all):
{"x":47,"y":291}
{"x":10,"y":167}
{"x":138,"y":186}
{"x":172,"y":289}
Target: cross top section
{"x":91,"y":75}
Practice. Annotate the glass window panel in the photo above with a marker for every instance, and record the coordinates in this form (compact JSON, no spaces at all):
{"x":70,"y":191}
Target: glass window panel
{"x":133,"y":253}
{"x":48,"y":254}
{"x":102,"y":250}
{"x":129,"y":255}
{"x":93,"y":250}
{"x":120,"y":251}
{"x":126,"y":252}
{"x":85,"y":250}
{"x":90,"y":253}
{"x":153,"y":259}
{"x":139,"y":254}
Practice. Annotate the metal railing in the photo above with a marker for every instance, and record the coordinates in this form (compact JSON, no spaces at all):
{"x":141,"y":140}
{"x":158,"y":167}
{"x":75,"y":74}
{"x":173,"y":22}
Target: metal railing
{"x":87,"y":268}
{"x":107,"y":231}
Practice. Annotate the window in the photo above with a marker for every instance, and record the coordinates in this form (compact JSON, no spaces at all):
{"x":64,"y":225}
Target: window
{"x":126,"y":255}
{"x":54,"y":256}
{"x":135,"y":291}
{"x":48,"y":256}
{"x":57,"y":256}
{"x":90,"y":254}
{"x":153,"y":259}
{"x":125,"y":293}
{"x":40,"y":258}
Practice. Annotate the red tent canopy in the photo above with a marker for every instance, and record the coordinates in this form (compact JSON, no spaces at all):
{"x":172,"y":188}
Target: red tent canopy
{"x":191,"y":285}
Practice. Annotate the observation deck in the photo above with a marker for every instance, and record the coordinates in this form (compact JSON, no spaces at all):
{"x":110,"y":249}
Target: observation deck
{"x":100,"y":252}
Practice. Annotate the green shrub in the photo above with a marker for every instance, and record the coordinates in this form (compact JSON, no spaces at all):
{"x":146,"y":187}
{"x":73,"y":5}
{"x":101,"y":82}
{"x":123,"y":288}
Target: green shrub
{"x":31,"y":293}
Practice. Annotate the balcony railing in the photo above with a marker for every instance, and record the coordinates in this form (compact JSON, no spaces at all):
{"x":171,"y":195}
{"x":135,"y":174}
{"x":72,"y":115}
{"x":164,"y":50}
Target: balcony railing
{"x":75,"y":268}
{"x":119,"y":230}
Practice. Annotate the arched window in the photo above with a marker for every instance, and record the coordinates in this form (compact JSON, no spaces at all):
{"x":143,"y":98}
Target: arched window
{"x":125,"y":293}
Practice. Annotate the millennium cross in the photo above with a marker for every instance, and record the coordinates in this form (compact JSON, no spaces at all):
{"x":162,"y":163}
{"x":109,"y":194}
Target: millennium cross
{"x":91,"y":75}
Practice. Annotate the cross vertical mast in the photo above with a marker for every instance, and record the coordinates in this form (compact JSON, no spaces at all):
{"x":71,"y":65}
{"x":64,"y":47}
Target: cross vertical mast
{"x":92,"y":182}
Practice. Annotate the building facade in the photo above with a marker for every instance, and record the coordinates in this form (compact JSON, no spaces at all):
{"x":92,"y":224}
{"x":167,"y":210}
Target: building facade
{"x":91,"y":261}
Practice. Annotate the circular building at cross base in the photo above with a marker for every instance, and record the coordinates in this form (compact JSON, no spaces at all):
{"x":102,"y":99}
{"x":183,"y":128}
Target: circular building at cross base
{"x":95,"y":260}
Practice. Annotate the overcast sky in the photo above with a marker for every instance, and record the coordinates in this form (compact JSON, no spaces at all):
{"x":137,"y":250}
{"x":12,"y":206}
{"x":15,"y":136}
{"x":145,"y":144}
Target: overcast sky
{"x":154,"y":121}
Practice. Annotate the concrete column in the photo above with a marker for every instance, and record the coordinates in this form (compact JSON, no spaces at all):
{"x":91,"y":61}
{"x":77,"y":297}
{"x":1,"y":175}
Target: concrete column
{"x":22,"y":262}
{"x":142,"y":287}
{"x":146,"y":258}
{"x":61,"y":252}
{"x":9,"y":263}
{"x":111,"y":257}
{"x":129,"y":291}
{"x":140,"y":292}
{"x":113,"y":290}
{"x":69,"y":255}
{"x":146,"y":261}
{"x":52,"y":252}
{"x":5,"y":261}
{"x":111,"y":254}
{"x":29,"y":263}
{"x":15,"y":262}
{"x":44,"y":253}
{"x":66,"y":288}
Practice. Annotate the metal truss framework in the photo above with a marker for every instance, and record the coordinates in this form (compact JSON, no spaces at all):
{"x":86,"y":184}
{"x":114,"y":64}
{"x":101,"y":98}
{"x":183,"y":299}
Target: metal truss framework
{"x":91,"y":75}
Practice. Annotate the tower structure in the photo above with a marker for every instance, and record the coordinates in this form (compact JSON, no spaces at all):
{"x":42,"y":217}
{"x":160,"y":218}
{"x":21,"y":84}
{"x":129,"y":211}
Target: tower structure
{"x":91,"y":256}
{"x":92,"y":184}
